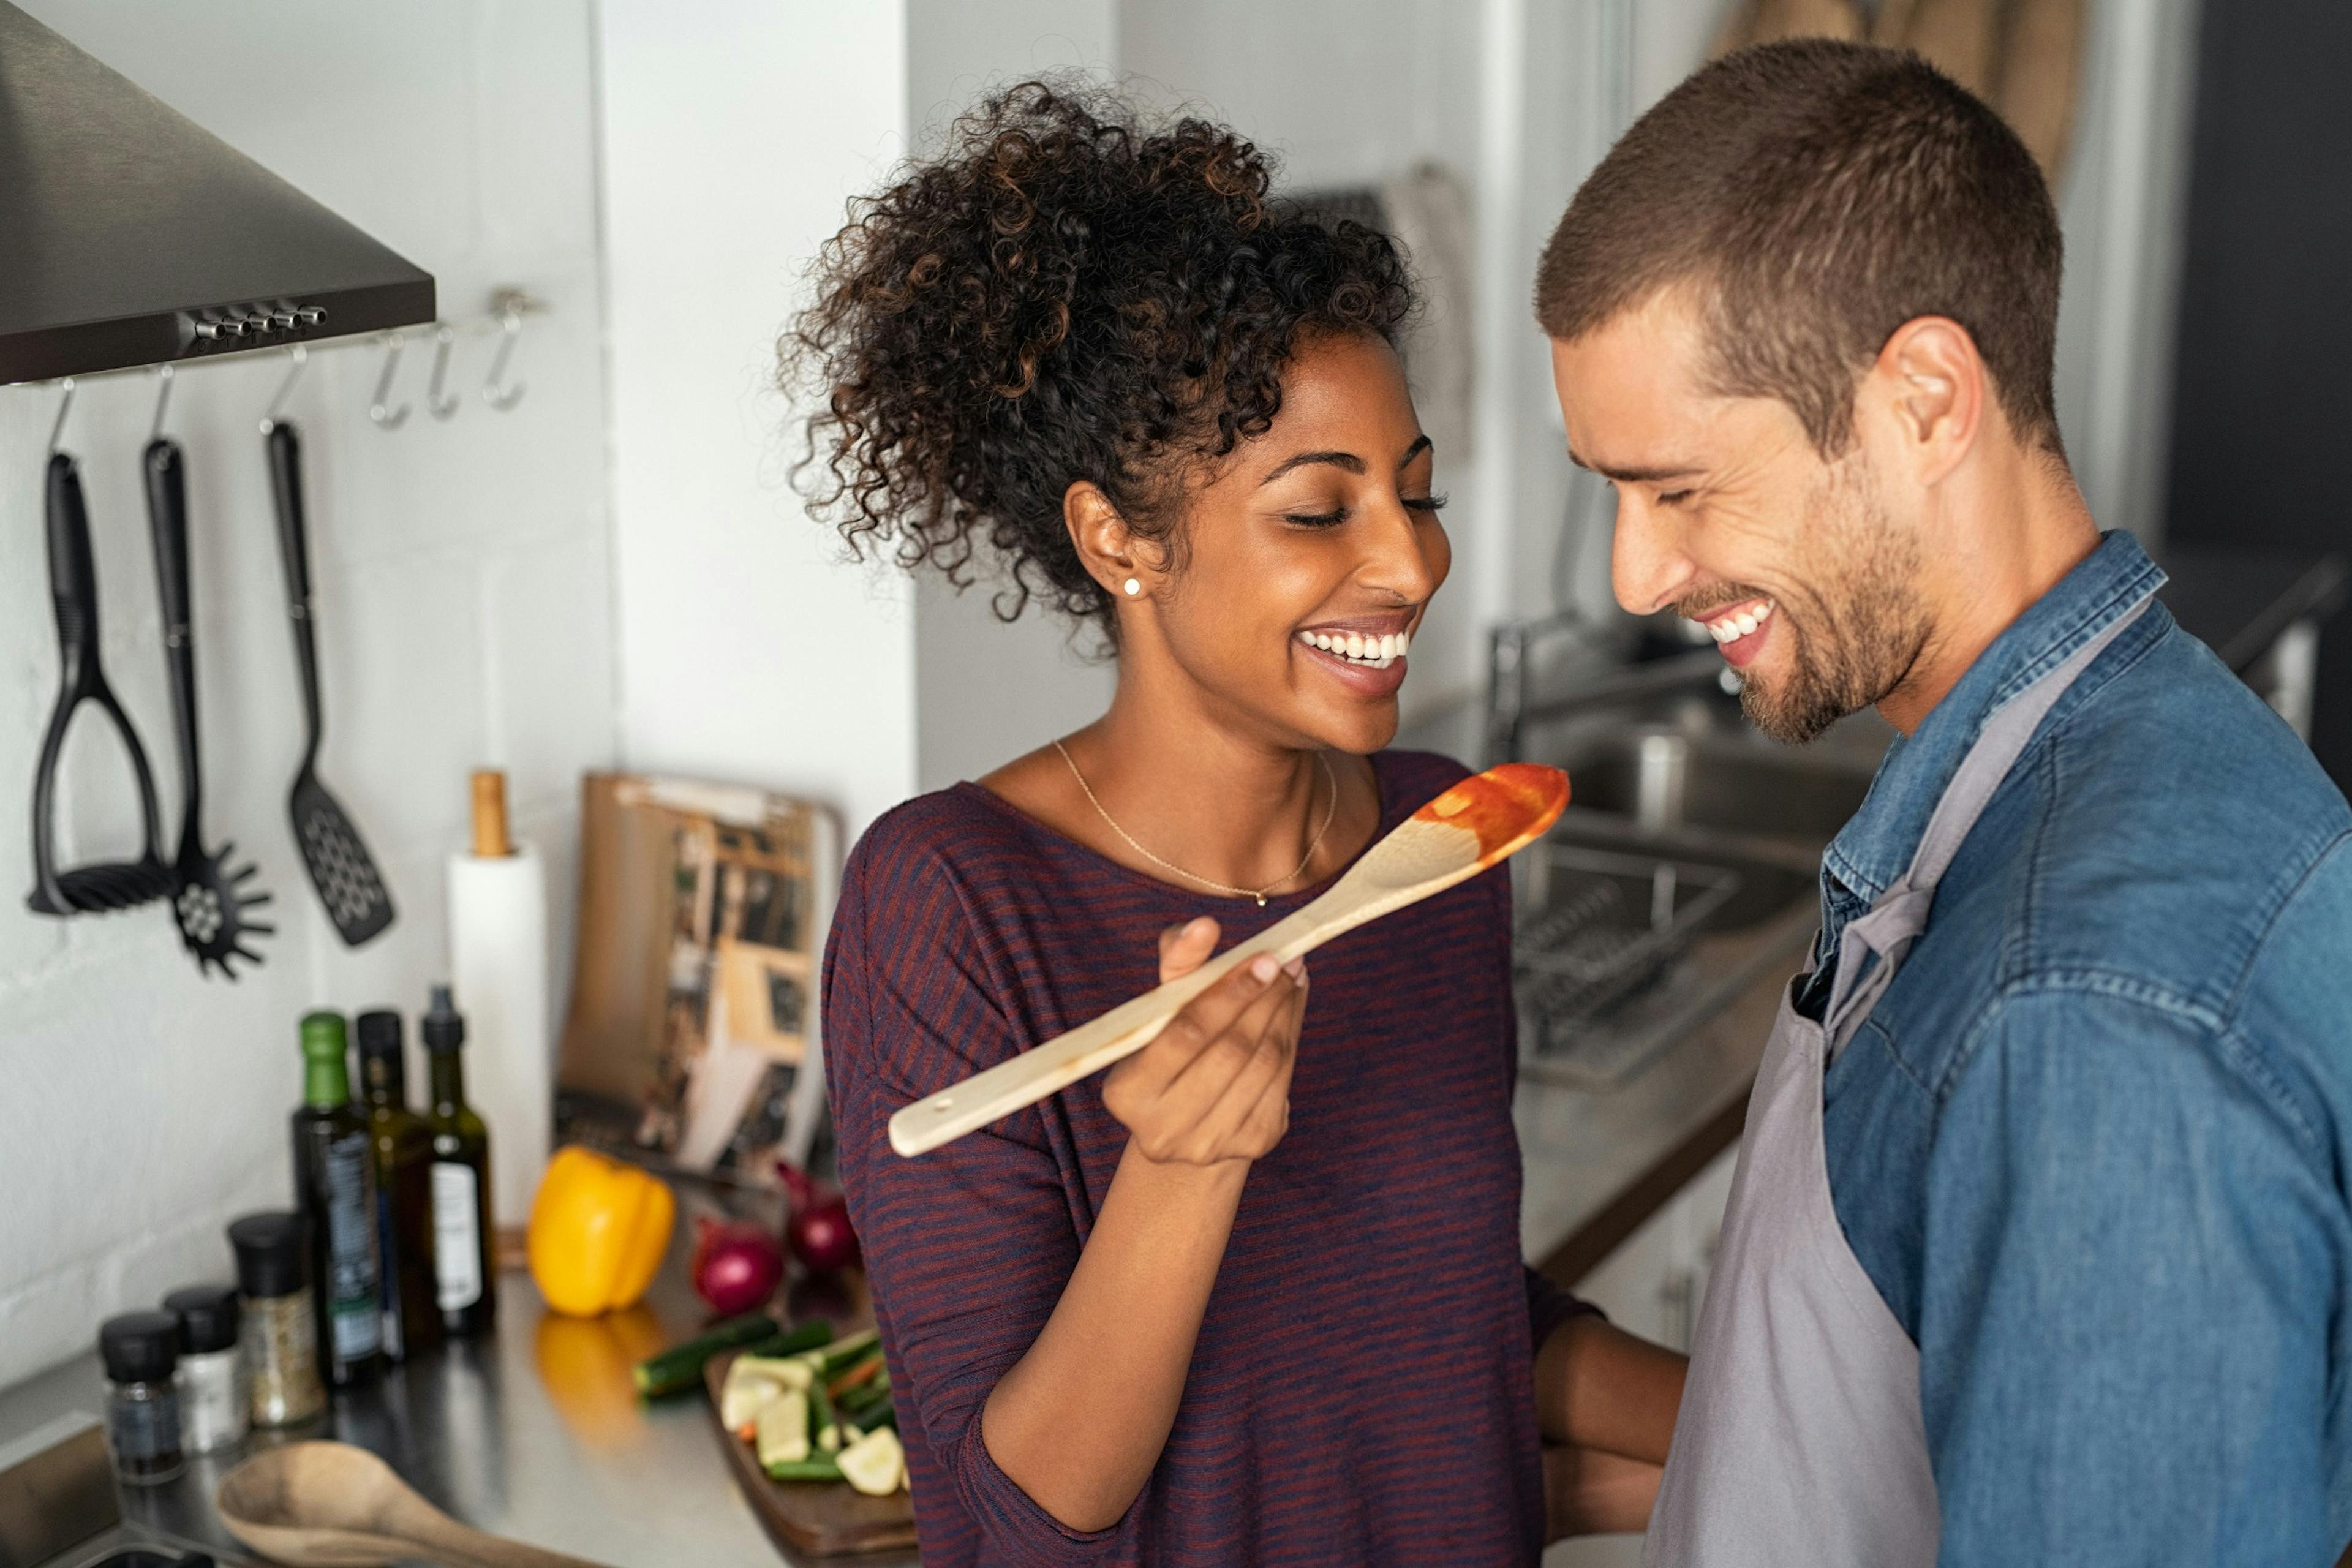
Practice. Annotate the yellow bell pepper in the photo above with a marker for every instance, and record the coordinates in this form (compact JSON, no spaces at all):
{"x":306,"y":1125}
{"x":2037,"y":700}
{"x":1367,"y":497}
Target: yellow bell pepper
{"x":599,"y":1228}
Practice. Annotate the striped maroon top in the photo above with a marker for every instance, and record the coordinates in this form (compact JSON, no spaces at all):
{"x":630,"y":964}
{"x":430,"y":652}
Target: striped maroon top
{"x":1361,"y":1390}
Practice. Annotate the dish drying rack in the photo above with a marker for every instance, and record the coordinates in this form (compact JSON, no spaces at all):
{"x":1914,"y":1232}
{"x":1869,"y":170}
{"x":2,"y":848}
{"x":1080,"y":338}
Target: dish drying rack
{"x":1607,"y":927}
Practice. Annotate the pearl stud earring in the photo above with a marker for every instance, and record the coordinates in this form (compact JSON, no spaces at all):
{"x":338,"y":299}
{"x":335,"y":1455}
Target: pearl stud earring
{"x":1133,"y":586}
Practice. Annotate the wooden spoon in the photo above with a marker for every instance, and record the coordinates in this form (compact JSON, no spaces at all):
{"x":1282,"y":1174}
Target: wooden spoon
{"x":335,"y":1506}
{"x":1471,"y":827}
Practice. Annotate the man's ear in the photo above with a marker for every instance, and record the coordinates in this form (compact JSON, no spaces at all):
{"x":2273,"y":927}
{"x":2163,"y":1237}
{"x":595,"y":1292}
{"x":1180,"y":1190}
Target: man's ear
{"x":1106,"y":548}
{"x":1931,"y":381}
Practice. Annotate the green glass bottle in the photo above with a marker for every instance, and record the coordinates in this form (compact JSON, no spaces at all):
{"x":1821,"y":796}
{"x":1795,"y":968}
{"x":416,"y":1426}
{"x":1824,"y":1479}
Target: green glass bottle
{"x":334,"y":1185}
{"x":462,"y":1237}
{"x":403,"y":1188}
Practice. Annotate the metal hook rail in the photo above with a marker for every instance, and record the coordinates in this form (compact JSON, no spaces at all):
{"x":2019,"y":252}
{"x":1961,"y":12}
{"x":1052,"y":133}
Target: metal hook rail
{"x":504,"y":321}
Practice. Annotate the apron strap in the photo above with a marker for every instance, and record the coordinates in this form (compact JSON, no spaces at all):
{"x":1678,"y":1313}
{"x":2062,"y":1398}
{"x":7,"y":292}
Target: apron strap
{"x":1900,"y":915}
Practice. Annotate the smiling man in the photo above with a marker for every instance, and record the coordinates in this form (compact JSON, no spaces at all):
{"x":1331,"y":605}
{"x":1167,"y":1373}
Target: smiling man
{"x":2040,"y":1248}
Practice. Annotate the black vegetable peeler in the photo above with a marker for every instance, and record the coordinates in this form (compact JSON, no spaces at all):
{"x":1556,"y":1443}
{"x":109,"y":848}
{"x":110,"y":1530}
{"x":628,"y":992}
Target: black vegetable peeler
{"x":73,"y":592}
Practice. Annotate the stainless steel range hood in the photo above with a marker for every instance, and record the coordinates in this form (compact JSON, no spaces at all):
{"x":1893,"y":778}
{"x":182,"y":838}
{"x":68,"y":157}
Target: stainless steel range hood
{"x":130,"y":236}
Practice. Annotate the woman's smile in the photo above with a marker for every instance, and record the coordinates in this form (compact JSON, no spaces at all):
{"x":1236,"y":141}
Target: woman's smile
{"x":1364,"y":653}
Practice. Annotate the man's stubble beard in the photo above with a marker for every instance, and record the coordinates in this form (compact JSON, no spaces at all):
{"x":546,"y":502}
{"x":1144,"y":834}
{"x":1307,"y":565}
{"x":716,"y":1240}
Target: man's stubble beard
{"x":1857,"y":625}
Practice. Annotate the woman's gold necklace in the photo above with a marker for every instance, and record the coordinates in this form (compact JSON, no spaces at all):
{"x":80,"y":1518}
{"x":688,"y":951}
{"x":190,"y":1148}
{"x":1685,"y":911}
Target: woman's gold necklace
{"x":1329,"y":780}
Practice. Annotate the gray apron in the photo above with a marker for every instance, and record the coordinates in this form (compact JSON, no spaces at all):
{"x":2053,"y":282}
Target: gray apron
{"x":1800,"y":1439}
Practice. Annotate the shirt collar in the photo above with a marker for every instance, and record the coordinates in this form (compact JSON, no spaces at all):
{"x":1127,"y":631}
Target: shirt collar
{"x":1876,"y":847}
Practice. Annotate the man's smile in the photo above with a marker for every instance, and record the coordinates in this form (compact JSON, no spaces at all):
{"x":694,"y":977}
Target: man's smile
{"x":1739,"y":628}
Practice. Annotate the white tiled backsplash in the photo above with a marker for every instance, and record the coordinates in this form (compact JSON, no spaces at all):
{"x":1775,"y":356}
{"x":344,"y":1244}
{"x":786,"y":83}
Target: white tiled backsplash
{"x":464,"y":594}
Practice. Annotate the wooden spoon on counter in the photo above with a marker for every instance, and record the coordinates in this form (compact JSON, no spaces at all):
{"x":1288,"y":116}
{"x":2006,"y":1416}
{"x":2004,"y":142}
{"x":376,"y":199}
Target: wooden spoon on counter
{"x":330,"y":1505}
{"x":1479,"y":822}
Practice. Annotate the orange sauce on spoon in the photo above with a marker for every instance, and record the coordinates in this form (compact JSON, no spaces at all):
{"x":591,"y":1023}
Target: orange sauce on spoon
{"x":1505,"y":805}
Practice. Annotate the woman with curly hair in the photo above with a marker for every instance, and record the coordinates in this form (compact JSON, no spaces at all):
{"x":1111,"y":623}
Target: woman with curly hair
{"x":1256,"y":1295}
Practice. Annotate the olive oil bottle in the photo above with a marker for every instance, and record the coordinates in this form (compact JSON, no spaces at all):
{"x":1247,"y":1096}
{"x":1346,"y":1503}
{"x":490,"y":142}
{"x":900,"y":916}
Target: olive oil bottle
{"x":334,"y":1183}
{"x":403,"y":1188}
{"x":462,"y":1237}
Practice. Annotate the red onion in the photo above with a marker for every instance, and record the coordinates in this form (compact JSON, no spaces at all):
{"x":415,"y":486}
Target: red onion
{"x":800,"y":1187}
{"x":736,"y":1266}
{"x":821,"y":1236}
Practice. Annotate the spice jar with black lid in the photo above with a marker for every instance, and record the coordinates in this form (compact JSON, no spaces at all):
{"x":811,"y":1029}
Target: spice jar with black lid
{"x":141,"y":1352}
{"x":279,"y":1332}
{"x":215,"y":1404}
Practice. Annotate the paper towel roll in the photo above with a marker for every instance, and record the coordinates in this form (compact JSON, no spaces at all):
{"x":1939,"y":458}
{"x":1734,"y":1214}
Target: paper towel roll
{"x":497,"y":961}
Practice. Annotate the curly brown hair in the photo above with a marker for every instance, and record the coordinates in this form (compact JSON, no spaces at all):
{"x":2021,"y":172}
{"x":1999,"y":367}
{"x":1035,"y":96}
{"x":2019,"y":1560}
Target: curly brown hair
{"x":1064,"y":293}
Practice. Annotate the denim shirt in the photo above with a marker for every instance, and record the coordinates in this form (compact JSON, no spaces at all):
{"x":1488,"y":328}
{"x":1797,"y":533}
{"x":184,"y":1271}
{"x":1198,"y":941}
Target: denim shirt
{"x":2093,"y":1144}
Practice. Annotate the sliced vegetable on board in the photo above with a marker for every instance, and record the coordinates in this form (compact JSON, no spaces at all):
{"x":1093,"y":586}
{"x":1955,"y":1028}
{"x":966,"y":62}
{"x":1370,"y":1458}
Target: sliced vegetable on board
{"x":875,"y":1464}
{"x":820,"y":1467}
{"x":782,"y":1431}
{"x":744,"y":1396}
{"x":824,"y":1421}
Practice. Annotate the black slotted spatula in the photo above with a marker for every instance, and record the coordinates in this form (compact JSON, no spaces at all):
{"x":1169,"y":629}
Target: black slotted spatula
{"x":338,"y":861}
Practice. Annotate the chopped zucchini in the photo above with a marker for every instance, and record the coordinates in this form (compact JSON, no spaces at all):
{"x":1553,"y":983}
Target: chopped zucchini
{"x":782,"y":1430}
{"x":744,"y":1395}
{"x":855,"y":1402}
{"x":875,"y":1464}
{"x":789,"y":1371}
{"x":824,"y":1421}
{"x":850,"y":1352}
{"x":821,"y":1468}
{"x":681,"y":1366}
{"x":814,"y":1334}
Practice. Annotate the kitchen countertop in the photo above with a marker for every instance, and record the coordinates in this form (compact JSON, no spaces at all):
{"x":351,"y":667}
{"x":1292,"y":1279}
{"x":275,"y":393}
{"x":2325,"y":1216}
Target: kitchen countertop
{"x":1599,"y":1163}
{"x":478,"y":1429}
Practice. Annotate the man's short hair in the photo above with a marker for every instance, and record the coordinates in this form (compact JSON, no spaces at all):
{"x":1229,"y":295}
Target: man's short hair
{"x":1817,"y":195}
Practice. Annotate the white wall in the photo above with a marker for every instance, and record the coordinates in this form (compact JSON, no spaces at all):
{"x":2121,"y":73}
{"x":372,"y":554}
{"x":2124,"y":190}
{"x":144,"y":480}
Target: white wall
{"x":985,"y":691}
{"x":730,"y":147}
{"x":462,"y":586}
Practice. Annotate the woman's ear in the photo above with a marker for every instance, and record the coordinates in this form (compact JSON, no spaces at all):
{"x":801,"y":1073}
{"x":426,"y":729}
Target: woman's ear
{"x":1106,"y":549}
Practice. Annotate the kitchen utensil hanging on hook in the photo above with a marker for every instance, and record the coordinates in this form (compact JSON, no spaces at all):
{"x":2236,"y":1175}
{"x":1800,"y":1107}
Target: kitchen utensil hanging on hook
{"x":73,"y":596}
{"x":208,"y":899}
{"x":337,"y":859}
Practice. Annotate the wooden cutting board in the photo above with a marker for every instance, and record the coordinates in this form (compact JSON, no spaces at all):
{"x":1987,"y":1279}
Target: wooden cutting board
{"x":810,"y":1519}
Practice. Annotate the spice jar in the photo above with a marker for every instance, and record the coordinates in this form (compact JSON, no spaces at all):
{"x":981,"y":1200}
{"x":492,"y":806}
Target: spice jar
{"x":279,"y":1334}
{"x":215,"y":1404}
{"x":141,"y":1350}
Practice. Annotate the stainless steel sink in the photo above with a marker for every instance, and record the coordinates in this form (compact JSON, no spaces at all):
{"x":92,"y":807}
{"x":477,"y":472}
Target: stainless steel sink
{"x":1665,"y":779}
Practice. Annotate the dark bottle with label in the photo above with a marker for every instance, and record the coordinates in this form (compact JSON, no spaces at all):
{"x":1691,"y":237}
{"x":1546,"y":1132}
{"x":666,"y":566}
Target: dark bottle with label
{"x":403,"y":1188}
{"x":334,"y":1182}
{"x":461,"y":1179}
